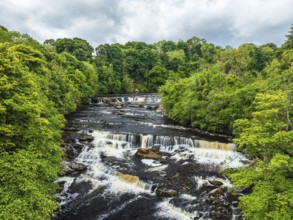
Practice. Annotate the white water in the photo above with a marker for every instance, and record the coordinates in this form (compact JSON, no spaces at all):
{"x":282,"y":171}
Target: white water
{"x":121,"y":146}
{"x":117,"y":209}
{"x":169,"y":211}
{"x":112,"y":168}
{"x":117,"y":145}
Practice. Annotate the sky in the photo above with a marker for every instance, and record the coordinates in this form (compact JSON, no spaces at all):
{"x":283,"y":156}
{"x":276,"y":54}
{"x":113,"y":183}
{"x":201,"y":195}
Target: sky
{"x":221,"y":22}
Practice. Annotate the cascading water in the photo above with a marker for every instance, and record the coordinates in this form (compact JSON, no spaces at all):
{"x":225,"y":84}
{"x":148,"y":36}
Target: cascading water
{"x":179,"y":179}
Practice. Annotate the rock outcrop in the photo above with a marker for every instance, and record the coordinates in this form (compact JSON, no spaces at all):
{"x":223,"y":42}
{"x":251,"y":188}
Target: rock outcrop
{"x":72,"y":168}
{"x":148,"y":153}
{"x":85,"y":138}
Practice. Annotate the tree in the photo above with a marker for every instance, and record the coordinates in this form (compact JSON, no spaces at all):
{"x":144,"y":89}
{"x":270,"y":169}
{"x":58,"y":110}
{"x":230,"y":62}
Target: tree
{"x":272,"y":188}
{"x":29,"y":135}
{"x":36,"y":85}
{"x":289,"y":42}
{"x":156,"y":77}
{"x":108,"y":82}
{"x":266,"y":134}
{"x":78,"y":47}
{"x":245,"y":60}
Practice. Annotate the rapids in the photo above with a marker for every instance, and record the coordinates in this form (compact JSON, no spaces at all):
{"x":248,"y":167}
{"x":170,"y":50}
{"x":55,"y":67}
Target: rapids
{"x":184,"y":183}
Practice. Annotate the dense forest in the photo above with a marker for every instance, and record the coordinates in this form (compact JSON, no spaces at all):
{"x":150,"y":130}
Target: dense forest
{"x":245,"y":91}
{"x":38,"y":87}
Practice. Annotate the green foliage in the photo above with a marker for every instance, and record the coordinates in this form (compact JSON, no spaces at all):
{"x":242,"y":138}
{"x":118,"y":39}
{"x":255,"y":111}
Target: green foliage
{"x":272,"y":184}
{"x":175,"y":59}
{"x":145,"y":67}
{"x":27,"y":186}
{"x":70,"y":81}
{"x":246,"y":91}
{"x":265,"y":133}
{"x":37,"y":86}
{"x":156,"y":77}
{"x":208,"y":99}
{"x":240,"y":60}
{"x":79,"y":48}
{"x":108,"y":83}
{"x":289,"y":42}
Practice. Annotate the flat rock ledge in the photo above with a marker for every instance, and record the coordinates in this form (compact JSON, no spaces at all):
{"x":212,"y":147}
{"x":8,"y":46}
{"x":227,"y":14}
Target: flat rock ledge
{"x":72,"y":168}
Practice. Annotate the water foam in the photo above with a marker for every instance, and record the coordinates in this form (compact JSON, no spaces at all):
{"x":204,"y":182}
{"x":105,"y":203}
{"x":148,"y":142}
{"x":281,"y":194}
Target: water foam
{"x":167,"y":210}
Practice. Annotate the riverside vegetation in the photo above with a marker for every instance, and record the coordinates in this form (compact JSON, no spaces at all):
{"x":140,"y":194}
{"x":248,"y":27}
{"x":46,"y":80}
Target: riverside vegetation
{"x":244,"y":91}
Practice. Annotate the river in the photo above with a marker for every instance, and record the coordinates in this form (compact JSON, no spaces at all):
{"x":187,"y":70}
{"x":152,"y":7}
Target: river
{"x":174,"y":175}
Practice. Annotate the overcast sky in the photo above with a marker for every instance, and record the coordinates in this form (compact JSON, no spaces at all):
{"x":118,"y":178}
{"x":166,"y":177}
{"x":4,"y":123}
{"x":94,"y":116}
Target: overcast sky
{"x":221,"y":22}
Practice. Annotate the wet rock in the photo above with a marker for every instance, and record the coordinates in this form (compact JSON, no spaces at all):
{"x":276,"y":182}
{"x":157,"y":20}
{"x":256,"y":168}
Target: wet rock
{"x":167,"y":193}
{"x":156,"y":148}
{"x":61,"y":186}
{"x":234,"y":204}
{"x":106,"y":100}
{"x":217,"y":193}
{"x":71,"y":150}
{"x":118,"y":106}
{"x":85,"y":138}
{"x":200,"y":216}
{"x":220,"y":213}
{"x":163,"y":191}
{"x":68,"y":150}
{"x":178,"y":178}
{"x":152,"y":107}
{"x":73,"y":168}
{"x":148,"y":153}
{"x":212,"y":184}
{"x":112,"y":103}
{"x":71,"y":128}
{"x":217,"y":198}
{"x":216,"y":183}
{"x":80,"y":186}
{"x":96,"y":100}
{"x":154,"y":187}
{"x":215,"y":205}
{"x":120,"y":112}
{"x":113,"y":99}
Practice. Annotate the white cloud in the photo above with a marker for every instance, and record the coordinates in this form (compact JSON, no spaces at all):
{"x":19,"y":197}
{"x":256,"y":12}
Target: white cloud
{"x":224,"y":22}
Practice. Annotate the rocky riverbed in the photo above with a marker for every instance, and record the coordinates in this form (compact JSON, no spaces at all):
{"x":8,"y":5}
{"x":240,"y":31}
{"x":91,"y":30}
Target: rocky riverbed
{"x":126,"y":160}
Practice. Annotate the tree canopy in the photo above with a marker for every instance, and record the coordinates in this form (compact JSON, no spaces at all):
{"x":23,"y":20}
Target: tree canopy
{"x":37,"y":87}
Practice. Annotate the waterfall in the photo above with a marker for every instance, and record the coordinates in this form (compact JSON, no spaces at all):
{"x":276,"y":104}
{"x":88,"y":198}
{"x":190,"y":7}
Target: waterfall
{"x":117,"y":145}
{"x":118,"y":184}
{"x":149,"y":140}
{"x":146,"y":141}
{"x":217,"y":145}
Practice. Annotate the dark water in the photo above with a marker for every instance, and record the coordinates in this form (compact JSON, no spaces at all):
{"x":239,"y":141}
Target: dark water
{"x":182,"y":183}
